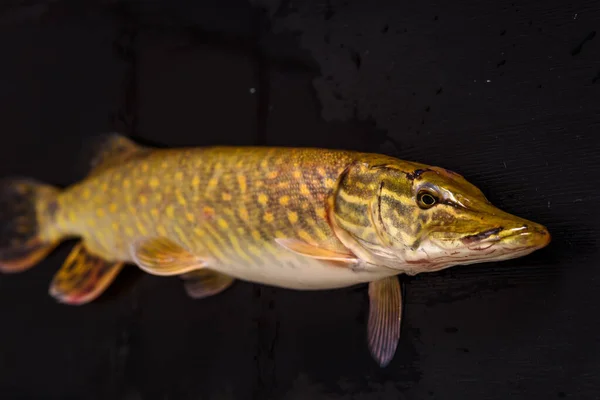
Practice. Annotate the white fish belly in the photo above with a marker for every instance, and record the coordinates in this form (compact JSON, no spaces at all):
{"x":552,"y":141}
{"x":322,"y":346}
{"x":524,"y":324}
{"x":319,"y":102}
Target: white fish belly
{"x":292,"y":271}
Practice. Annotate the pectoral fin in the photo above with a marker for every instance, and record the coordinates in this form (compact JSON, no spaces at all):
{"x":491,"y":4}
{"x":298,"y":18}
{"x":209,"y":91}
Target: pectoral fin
{"x":204,"y":283}
{"x":162,"y":256}
{"x":305,"y":249}
{"x":83,"y":277}
{"x":385,"y":317}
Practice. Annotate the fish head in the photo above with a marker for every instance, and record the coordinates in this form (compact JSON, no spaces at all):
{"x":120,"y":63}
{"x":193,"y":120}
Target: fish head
{"x":425,"y":219}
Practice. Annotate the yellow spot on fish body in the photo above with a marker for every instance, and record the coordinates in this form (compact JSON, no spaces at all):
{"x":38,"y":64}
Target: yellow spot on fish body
{"x":154,"y":212}
{"x":179,"y":176}
{"x":115,"y":226}
{"x":143,"y":199}
{"x":129,"y":231}
{"x":190,"y":217}
{"x":241,"y":230}
{"x":164,"y":165}
{"x":293,"y":217}
{"x":104,"y":186}
{"x":86,"y":194}
{"x":180,"y":198}
{"x":280,"y":235}
{"x":284,"y":200}
{"x":199,"y":232}
{"x":195,"y":181}
{"x":305,"y":236}
{"x":268,"y":217}
{"x":154,"y":183}
{"x":144,"y":167}
{"x":304,"y":190}
{"x":126,"y":184}
{"x":226,"y":196}
{"x":297,"y":174}
{"x":244,"y":214}
{"x":242,"y":183}
{"x":321,"y":171}
{"x":170,"y":210}
{"x":256,"y":235}
{"x":212,"y":183}
{"x":141,"y":228}
{"x":263,"y":199}
{"x":321,"y":212}
{"x":272,"y":174}
{"x":329,"y":182}
{"x":100,"y":212}
{"x":161,"y":230}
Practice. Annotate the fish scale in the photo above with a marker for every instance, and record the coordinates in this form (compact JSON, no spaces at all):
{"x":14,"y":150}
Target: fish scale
{"x":296,"y":218}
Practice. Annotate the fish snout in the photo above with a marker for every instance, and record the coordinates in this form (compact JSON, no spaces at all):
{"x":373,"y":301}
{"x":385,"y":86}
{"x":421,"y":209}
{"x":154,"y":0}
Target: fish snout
{"x":528,"y":234}
{"x":511,"y":235}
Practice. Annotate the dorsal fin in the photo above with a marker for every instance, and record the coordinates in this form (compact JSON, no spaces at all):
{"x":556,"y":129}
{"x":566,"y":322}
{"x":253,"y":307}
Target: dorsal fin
{"x":111,"y":149}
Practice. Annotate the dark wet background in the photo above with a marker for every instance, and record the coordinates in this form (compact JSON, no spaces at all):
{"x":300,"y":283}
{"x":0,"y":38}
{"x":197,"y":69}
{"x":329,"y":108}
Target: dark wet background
{"x":504,"y":92}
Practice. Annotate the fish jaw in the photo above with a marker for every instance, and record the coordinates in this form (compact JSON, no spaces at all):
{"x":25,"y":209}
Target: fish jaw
{"x":512,"y":238}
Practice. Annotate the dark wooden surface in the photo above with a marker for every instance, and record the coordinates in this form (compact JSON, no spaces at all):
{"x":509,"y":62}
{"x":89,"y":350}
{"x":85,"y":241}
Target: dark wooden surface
{"x":505,"y":92}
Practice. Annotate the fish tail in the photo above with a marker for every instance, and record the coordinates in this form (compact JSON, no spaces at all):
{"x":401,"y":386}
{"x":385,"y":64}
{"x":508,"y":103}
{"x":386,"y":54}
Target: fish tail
{"x":27,"y":209}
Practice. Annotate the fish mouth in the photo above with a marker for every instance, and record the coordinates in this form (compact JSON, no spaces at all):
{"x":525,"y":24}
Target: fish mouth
{"x":481,"y":236}
{"x":525,"y":236}
{"x":491,"y":244}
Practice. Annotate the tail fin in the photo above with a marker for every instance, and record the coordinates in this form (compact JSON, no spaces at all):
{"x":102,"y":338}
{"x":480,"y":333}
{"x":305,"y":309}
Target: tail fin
{"x":26,"y":206}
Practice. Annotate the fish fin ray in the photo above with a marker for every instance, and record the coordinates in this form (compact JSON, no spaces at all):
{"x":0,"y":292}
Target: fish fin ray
{"x":385,"y":319}
{"x":204,"y":283}
{"x":83,"y":277}
{"x":111,"y":149}
{"x":161,"y":256}
{"x":305,"y":249}
{"x":27,"y":208}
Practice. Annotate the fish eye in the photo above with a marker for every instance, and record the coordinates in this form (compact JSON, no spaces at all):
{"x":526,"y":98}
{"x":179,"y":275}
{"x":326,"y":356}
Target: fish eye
{"x":426,"y":199}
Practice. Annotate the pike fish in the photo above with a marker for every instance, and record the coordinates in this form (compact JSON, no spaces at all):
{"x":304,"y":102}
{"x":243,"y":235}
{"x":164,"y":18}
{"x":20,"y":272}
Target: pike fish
{"x":296,"y":218}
